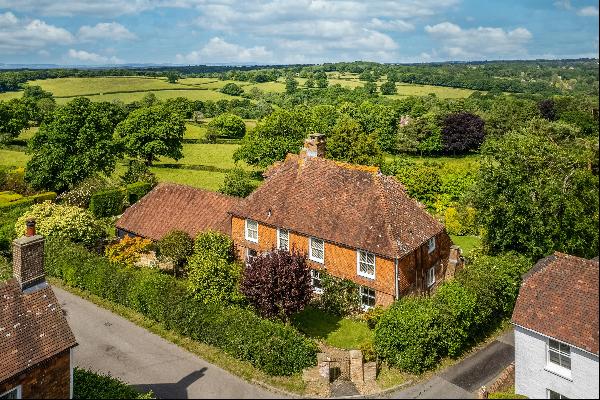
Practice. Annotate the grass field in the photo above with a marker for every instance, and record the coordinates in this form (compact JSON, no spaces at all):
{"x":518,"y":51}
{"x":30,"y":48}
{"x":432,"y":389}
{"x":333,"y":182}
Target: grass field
{"x":466,"y":243}
{"x":13,"y":158}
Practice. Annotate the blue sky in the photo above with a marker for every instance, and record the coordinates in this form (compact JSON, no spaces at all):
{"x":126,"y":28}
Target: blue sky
{"x":293,"y":31}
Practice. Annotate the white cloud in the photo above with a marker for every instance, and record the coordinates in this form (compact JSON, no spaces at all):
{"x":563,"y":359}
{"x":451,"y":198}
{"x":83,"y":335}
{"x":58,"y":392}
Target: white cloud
{"x":23,"y":35}
{"x":91,"y":58}
{"x":391,"y":25}
{"x":481,"y":42}
{"x":219,"y":50}
{"x":590,"y":11}
{"x":105,"y":31}
{"x":78,"y":7}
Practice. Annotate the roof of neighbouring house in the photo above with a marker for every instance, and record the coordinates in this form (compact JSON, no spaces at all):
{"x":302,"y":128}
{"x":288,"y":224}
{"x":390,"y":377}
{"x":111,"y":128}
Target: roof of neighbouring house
{"x":352,"y":205}
{"x":170,"y":206}
{"x":32,"y":327}
{"x":559,"y":299}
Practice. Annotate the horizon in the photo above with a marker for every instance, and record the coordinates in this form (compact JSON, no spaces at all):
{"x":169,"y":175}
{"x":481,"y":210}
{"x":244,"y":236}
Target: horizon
{"x":215,"y":32}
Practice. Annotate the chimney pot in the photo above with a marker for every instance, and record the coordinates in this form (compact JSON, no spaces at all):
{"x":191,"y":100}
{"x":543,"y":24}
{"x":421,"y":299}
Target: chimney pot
{"x":30,"y":224}
{"x":314,"y":146}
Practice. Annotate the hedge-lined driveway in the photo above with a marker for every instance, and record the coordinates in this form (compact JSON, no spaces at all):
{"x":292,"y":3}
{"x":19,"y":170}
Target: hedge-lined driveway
{"x":111,"y":344}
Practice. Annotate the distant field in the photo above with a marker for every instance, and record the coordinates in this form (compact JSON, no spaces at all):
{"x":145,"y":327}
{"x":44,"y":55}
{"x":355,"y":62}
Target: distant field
{"x":209,"y":180}
{"x":406,"y":89}
{"x":161,"y":95}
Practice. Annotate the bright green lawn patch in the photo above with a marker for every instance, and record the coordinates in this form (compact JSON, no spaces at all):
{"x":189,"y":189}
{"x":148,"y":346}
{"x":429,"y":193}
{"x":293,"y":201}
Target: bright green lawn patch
{"x":193,"y":131}
{"x":11,"y":95}
{"x":13,"y":158}
{"x":466,"y":243}
{"x":408,"y":89}
{"x":201,"y":179}
{"x":190,"y":94}
{"x":85,"y":86}
{"x":343,"y":333}
{"x":468,"y":162}
{"x":202,"y":82}
{"x":215,"y":155}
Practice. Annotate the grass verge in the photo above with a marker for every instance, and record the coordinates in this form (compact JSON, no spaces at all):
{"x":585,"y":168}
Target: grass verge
{"x":243,"y":369}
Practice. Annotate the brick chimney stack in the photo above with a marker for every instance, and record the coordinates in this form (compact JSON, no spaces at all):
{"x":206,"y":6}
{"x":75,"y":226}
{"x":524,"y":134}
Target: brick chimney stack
{"x":28,"y":258}
{"x":314,"y":146}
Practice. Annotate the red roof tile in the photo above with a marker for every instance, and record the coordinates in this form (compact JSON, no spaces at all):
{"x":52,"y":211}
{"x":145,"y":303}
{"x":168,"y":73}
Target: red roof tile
{"x":170,"y":206}
{"x":32,"y":327}
{"x":348,"y":204}
{"x":559,"y":299}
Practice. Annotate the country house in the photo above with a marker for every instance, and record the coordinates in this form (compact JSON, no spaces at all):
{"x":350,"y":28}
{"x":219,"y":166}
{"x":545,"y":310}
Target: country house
{"x":556,"y":329}
{"x":350,"y":220}
{"x":36,"y":349}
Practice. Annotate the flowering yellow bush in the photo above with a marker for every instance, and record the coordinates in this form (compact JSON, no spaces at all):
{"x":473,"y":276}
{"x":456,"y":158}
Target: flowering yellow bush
{"x":128,"y":250}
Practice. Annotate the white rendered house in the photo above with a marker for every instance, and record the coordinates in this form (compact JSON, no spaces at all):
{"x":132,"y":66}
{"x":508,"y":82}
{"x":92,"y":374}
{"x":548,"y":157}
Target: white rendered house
{"x":556,"y":329}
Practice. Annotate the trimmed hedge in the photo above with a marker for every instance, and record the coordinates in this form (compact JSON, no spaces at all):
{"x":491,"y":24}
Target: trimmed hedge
{"x":107,"y":203}
{"x":27,"y":201}
{"x":416,"y":332}
{"x":92,"y":385}
{"x":273,"y":347}
{"x":136,"y":191}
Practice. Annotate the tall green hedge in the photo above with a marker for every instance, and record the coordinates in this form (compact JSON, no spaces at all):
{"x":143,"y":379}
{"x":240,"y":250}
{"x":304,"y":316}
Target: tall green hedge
{"x":273,"y":347}
{"x":416,"y":332}
{"x":136,"y":191}
{"x":27,"y":201}
{"x":107,"y":203}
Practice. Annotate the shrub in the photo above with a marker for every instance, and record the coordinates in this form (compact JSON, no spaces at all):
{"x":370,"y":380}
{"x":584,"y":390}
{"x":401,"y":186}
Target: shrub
{"x":227,"y":125}
{"x":176,"y":246}
{"x":339,"y":296}
{"x":238,"y":183}
{"x":416,"y":332}
{"x":462,"y":132}
{"x":373,"y":315}
{"x":138,"y":171}
{"x":214,"y":245}
{"x":92,"y":385}
{"x":460,"y":221}
{"x":137,"y":190}
{"x":107,"y":203}
{"x":275,"y":348}
{"x":13,"y":180}
{"x":65,"y":222}
{"x":232,"y":89}
{"x":214,"y":280}
{"x":277,"y":283}
{"x":80,"y":195}
{"x":128,"y":250}
{"x":27,"y":201}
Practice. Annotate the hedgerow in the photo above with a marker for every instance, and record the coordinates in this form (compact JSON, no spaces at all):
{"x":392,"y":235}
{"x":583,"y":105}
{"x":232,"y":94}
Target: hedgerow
{"x":416,"y":332}
{"x":92,"y":385}
{"x":273,"y":347}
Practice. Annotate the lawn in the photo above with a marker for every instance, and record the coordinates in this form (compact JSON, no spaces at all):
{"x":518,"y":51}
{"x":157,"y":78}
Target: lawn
{"x":407,"y":89}
{"x":13,"y":158}
{"x":205,"y":154}
{"x":190,"y":94}
{"x":466,"y":243}
{"x":343,"y":333}
{"x":194,"y":131}
{"x":10,"y":95}
{"x":84,"y":86}
{"x":209,"y":180}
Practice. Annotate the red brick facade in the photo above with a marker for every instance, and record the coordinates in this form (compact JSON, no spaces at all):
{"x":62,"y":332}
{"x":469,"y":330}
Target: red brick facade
{"x":341,"y":261}
{"x":49,"y":379}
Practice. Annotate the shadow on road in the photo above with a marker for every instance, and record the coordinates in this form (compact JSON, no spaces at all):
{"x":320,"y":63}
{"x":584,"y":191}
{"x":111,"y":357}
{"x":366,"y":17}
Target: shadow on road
{"x":177,"y":390}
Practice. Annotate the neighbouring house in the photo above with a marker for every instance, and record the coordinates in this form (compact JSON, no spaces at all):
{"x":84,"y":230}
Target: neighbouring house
{"x":556,"y":329}
{"x":36,"y":343}
{"x":170,"y":206}
{"x":351,"y":221}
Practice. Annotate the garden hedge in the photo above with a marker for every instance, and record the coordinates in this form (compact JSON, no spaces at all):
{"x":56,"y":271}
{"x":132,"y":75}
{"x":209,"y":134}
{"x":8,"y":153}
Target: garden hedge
{"x":136,"y":191}
{"x":107,"y":203}
{"x":416,"y":332}
{"x":273,"y":347}
{"x":92,"y":385}
{"x":27,"y":201}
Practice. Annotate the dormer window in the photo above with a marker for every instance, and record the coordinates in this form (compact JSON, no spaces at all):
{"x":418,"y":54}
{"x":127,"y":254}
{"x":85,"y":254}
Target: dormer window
{"x":431,"y":244}
{"x":283,"y":239}
{"x":316,"y":250}
{"x":365,"y":264}
{"x":252,"y":231}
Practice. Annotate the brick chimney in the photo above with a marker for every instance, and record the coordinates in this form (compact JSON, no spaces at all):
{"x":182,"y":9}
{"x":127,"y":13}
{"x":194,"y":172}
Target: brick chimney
{"x":28,"y":258}
{"x":314,"y":146}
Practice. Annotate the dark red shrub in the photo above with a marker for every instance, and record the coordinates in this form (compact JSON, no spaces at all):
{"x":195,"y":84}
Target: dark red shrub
{"x":462,"y":132}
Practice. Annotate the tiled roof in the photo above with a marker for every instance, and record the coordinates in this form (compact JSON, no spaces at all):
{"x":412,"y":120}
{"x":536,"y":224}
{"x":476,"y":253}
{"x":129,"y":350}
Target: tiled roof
{"x":32,"y":327}
{"x":347,"y":204}
{"x":559,"y":299}
{"x":170,"y":206}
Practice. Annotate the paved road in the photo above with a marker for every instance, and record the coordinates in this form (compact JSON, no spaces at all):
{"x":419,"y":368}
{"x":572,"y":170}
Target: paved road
{"x":465,"y":378}
{"x":109,"y":343}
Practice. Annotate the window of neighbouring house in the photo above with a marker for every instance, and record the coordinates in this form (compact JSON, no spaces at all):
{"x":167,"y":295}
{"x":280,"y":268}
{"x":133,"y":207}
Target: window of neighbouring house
{"x":315,"y":278}
{"x":551,"y":394}
{"x":283,"y":239}
{"x":559,"y":354}
{"x":252,"y":231}
{"x":316,"y":250}
{"x":367,"y":297}
{"x":14,"y":393}
{"x":250,"y":255}
{"x":430,"y":276}
{"x":431,"y":244}
{"x":365,"y":264}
